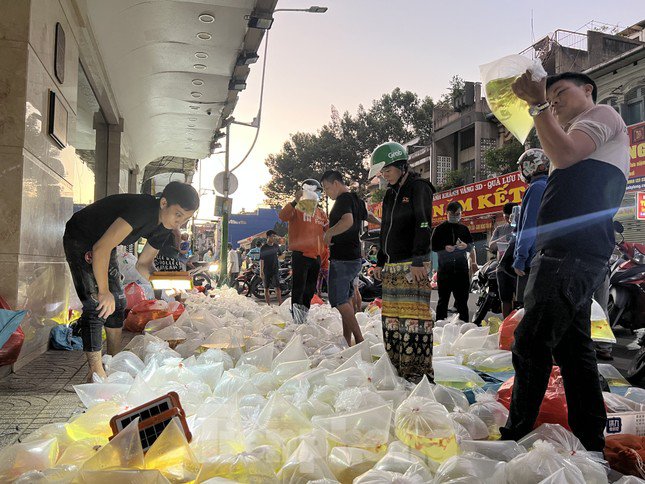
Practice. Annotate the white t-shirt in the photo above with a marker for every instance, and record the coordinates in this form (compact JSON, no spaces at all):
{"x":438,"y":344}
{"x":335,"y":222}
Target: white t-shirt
{"x":608,"y":131}
{"x":233,"y":262}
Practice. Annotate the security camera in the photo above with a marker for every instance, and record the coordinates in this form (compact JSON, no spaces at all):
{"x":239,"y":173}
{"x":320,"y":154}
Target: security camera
{"x":209,"y":111}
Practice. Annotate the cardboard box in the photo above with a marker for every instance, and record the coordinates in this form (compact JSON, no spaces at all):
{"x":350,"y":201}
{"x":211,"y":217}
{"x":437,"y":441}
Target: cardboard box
{"x":626,"y":423}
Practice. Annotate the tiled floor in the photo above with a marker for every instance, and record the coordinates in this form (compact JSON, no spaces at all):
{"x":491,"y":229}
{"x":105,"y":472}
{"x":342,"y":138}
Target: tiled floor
{"x":42,"y":392}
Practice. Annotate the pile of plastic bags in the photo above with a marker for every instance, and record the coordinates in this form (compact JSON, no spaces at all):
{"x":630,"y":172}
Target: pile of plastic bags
{"x":267,"y":400}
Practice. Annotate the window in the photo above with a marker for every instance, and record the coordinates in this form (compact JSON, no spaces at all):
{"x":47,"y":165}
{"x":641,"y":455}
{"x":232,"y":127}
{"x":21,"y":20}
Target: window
{"x":444,"y":165}
{"x":634,"y":107}
{"x":468,"y":168}
{"x":467,"y":139}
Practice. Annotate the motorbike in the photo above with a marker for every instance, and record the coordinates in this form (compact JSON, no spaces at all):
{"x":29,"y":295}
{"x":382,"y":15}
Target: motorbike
{"x":256,"y":284}
{"x":626,"y":305}
{"x":243,"y":282}
{"x":205,"y":274}
{"x":369,"y":287}
{"x":486,"y":285}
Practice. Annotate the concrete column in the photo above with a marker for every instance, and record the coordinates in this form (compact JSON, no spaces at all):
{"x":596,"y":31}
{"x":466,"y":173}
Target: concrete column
{"x":108,"y":156}
{"x":478,"y":151}
{"x":132,"y":180}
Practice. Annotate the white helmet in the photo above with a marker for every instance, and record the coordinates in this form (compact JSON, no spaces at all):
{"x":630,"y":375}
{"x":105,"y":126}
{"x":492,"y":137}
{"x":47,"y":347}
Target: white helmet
{"x":533,"y":162}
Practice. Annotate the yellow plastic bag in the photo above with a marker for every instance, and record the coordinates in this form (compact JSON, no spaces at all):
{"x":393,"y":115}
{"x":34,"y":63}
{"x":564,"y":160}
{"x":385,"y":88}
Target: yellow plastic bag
{"x":240,"y":468}
{"x":600,"y":330}
{"x":121,"y":476}
{"x":17,"y":459}
{"x":124,"y":451}
{"x":94,"y":422}
{"x":498,"y":77}
{"x":171,"y":455}
{"x":425,"y":425}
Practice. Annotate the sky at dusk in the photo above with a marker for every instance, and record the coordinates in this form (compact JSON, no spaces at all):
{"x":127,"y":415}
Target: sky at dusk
{"x":362,"y":49}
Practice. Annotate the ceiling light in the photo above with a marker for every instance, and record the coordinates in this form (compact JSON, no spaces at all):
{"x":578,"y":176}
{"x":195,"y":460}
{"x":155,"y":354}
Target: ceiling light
{"x":204,"y":36}
{"x":206,"y":18}
{"x":192,"y":119}
{"x":201,"y":55}
{"x":199,"y":67}
{"x":247,"y":59}
{"x":191,"y":125}
{"x":198,"y":82}
{"x":263,"y":23}
{"x":237,"y":85}
{"x":194,"y":107}
{"x":196,"y":94}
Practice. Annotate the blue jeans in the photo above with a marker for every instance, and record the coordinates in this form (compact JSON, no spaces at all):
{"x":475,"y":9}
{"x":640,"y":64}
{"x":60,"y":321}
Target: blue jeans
{"x":341,"y":280}
{"x":556,"y":325}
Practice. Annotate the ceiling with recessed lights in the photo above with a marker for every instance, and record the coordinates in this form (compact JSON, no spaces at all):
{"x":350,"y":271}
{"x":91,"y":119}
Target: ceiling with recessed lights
{"x":169,"y":63}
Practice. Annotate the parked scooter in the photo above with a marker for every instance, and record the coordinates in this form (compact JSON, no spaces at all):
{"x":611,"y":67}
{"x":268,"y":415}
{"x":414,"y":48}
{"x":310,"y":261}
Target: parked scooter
{"x":243,"y":282}
{"x":486,"y":282}
{"x":286,"y":279}
{"x":626,"y":306}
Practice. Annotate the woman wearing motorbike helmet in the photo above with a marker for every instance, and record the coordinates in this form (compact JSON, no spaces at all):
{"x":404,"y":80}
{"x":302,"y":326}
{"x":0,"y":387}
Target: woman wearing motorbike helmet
{"x":403,"y":263}
{"x":534,"y":170}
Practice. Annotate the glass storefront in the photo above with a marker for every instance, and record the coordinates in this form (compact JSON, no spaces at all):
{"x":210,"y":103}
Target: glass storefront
{"x":88,"y":118}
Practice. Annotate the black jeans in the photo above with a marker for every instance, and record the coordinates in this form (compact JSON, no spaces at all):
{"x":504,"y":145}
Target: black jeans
{"x":305,"y":277}
{"x":79,"y":259}
{"x":556,"y":325}
{"x":457,"y":283}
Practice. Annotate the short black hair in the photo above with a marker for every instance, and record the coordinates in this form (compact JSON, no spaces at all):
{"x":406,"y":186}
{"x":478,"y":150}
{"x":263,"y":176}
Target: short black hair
{"x":454,"y":207}
{"x":270,"y":233}
{"x":182,"y":194}
{"x":230,"y":246}
{"x":259,"y":243}
{"x":331,"y":176}
{"x":577,"y":78}
{"x":508,"y":208}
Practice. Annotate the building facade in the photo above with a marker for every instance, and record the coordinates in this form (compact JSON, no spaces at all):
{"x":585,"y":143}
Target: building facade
{"x":96,"y":97}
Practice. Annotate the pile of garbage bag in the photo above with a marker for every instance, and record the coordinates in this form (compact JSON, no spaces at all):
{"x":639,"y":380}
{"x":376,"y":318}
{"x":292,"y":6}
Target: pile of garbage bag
{"x":267,"y":400}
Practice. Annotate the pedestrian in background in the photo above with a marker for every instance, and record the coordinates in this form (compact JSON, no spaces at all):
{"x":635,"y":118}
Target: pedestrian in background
{"x":452,"y":241}
{"x":233,"y":265}
{"x":343,"y":237}
{"x":498,"y":245}
{"x":270,"y":267}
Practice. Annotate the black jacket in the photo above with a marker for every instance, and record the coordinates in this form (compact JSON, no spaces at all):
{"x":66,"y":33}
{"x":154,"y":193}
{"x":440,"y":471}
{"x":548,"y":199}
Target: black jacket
{"x":406,"y":224}
{"x":447,"y":234}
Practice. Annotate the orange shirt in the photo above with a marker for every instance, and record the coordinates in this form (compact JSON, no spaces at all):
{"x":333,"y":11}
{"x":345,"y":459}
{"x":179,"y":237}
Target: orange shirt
{"x":305,"y":231}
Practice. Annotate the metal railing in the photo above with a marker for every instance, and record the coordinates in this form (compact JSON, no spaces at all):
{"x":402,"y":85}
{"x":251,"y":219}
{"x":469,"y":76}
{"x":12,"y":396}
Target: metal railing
{"x":563,"y":38}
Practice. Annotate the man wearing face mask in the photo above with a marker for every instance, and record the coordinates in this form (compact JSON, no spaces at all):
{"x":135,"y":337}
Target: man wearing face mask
{"x":452,"y":241}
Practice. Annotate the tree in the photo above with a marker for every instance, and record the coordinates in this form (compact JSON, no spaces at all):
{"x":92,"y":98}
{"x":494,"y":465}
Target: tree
{"x":346,"y":142}
{"x":454,"y":179}
{"x":455,"y":89}
{"x":378,"y":195}
{"x":503,"y":160}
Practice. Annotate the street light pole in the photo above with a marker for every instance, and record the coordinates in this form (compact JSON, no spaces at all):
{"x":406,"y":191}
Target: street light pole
{"x":254,"y":124}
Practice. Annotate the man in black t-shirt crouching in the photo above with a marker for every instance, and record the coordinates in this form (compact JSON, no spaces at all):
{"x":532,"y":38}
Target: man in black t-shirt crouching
{"x":90,"y":241}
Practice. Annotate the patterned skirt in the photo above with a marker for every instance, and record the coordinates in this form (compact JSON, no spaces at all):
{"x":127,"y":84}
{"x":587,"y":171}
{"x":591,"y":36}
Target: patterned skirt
{"x":407,"y":322}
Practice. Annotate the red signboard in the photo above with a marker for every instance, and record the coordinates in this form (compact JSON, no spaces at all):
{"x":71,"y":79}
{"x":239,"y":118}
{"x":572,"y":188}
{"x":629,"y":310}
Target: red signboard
{"x":377,"y":210}
{"x":640,"y":205}
{"x":481,"y":198}
{"x":636,"y":133}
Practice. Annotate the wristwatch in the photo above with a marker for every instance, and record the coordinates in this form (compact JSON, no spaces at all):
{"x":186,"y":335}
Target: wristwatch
{"x":537,"y":109}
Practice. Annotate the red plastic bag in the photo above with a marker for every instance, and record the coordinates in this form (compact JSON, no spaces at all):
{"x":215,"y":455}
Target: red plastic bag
{"x":144,"y":312}
{"x":377,"y":302}
{"x":554,"y":405}
{"x":625,"y":453}
{"x":176,"y":308}
{"x":11,"y":349}
{"x":134,"y":295}
{"x":507,"y":329}
{"x":316,"y":300}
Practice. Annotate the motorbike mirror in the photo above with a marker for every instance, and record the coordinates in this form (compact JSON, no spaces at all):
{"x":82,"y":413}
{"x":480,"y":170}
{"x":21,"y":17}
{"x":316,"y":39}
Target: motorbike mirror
{"x":618,"y":227}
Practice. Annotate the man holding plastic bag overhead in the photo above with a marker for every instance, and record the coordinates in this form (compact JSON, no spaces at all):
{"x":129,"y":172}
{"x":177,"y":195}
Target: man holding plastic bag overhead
{"x":589,"y":152}
{"x":307,"y":225}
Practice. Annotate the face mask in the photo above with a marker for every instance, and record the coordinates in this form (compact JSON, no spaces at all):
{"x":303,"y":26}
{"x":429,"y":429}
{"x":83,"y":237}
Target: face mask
{"x":454,"y":219}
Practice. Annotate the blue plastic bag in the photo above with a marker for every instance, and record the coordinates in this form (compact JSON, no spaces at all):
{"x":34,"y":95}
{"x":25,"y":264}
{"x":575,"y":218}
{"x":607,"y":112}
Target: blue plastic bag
{"x":62,"y":338}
